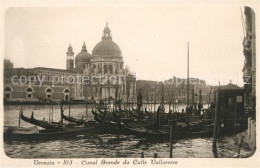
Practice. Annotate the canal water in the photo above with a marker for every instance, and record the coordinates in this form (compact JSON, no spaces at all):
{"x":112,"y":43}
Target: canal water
{"x":104,"y":145}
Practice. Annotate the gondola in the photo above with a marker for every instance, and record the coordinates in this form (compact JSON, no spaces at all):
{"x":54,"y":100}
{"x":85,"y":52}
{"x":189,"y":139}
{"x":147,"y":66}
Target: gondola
{"x":117,"y":124}
{"x":20,"y":130}
{"x":144,"y":129}
{"x":144,"y":114}
{"x":102,"y":120}
{"x":143,"y":132}
{"x":121,"y":113}
{"x":103,"y":112}
{"x":46,"y":134}
{"x":134,"y":131}
{"x":71,"y":119}
{"x":132,"y":114}
{"x":162,"y":134}
{"x":137,"y":129}
{"x":43,"y":124}
{"x":108,"y":126}
{"x":181,"y":130}
{"x":101,"y":107}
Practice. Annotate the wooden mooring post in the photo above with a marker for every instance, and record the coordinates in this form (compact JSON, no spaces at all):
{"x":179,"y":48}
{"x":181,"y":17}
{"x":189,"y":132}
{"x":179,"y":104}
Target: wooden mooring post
{"x":69,"y":110}
{"x":61,"y":111}
{"x":87,"y":110}
{"x":154,"y":108}
{"x":52,"y":112}
{"x":215,"y":131}
{"x":19,"y":122}
{"x":240,"y":146}
{"x":171,"y":140}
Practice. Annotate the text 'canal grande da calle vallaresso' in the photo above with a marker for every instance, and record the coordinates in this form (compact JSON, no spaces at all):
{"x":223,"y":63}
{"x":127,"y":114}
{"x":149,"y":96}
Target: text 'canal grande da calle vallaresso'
{"x":107,"y":162}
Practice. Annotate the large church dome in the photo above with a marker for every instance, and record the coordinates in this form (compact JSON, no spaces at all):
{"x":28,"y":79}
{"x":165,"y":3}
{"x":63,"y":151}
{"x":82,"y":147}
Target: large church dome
{"x":107,"y":47}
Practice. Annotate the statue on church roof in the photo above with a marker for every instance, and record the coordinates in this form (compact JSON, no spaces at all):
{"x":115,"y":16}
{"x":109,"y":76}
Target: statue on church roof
{"x":87,"y":71}
{"x":96,"y":70}
{"x":120,"y":71}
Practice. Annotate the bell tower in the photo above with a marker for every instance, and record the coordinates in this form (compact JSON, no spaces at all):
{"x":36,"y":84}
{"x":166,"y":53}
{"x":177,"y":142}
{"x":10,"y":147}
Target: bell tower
{"x":70,"y":58}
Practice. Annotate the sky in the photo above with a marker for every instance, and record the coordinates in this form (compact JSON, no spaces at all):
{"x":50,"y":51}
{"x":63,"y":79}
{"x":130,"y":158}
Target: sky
{"x":152,"y":36}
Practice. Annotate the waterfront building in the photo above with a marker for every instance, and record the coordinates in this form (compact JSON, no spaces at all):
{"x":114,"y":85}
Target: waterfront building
{"x":249,"y":69}
{"x":176,"y":88}
{"x":231,"y":114}
{"x":8,"y":64}
{"x":101,"y":75}
{"x":46,"y":84}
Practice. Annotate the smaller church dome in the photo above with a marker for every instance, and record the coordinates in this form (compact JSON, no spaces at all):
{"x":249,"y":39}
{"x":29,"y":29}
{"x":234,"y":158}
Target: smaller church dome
{"x":83,"y":56}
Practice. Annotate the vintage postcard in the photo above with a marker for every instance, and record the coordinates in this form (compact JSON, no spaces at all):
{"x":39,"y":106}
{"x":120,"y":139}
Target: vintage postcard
{"x":129,"y":83}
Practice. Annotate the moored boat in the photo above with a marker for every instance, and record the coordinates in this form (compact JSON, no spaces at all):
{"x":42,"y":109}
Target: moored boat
{"x":43,"y":124}
{"x":21,"y":130}
{"x":53,"y":134}
{"x":71,"y":119}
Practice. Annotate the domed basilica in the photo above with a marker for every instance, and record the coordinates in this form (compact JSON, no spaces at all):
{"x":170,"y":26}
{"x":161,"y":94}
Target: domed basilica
{"x":105,"y":69}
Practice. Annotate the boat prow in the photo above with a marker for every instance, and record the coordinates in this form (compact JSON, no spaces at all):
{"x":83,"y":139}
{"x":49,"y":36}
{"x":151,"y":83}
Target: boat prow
{"x":43,"y":124}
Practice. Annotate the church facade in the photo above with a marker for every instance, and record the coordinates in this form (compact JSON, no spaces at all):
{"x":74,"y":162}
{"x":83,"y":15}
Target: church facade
{"x":97,"y":76}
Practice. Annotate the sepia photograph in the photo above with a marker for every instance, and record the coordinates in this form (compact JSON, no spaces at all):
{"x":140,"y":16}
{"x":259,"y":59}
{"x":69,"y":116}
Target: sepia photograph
{"x":166,"y":79}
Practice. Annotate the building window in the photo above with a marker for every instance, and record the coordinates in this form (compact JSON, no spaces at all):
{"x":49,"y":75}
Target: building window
{"x":66,"y":91}
{"x":239,"y":99}
{"x":230,"y":101}
{"x":29,"y":93}
{"x":111,"y":69}
{"x":7,"y":95}
{"x":66,"y":94}
{"x":105,"y":69}
{"x":7,"y":91}
{"x":48,"y":92}
{"x":55,"y":79}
